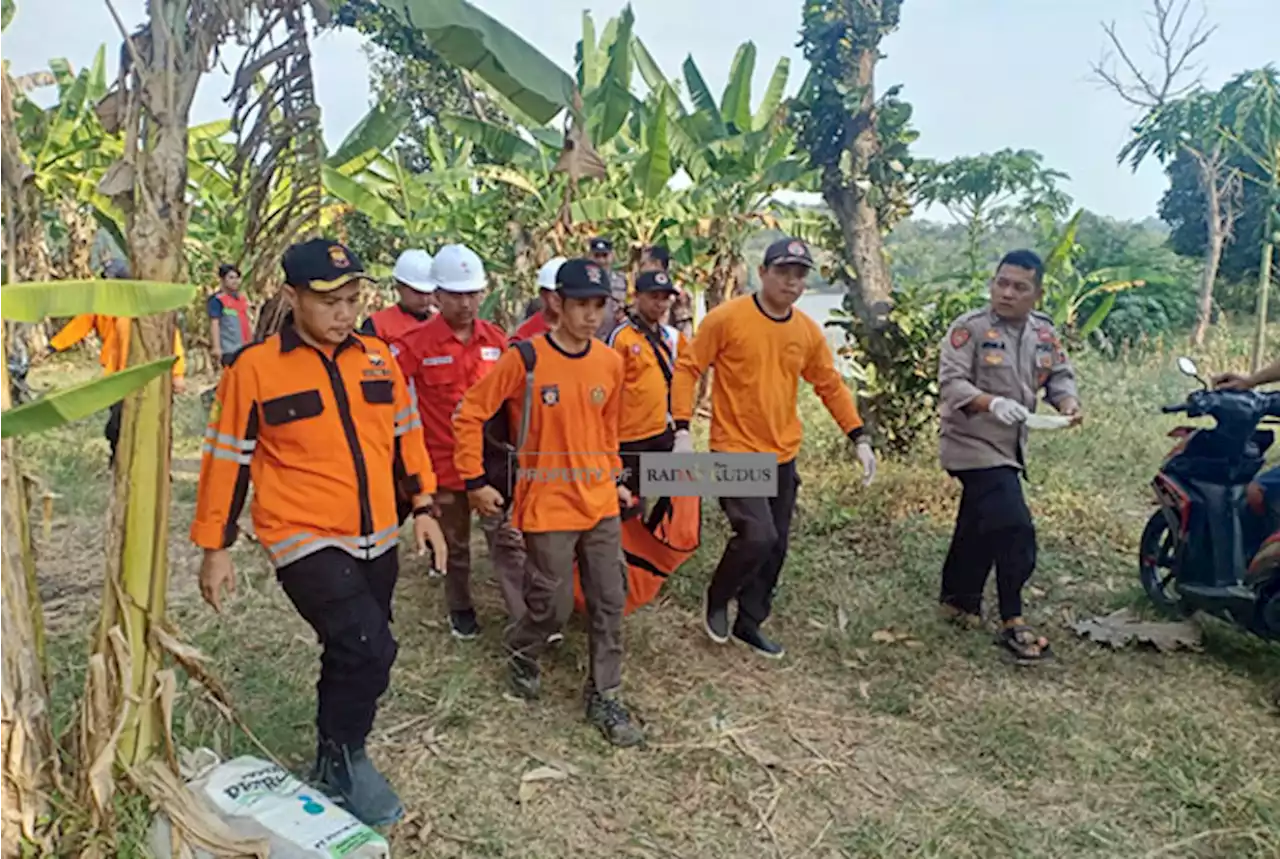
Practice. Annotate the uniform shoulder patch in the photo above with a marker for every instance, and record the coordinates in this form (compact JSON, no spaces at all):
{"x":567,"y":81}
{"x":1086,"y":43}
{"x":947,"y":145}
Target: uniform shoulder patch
{"x":959,"y":336}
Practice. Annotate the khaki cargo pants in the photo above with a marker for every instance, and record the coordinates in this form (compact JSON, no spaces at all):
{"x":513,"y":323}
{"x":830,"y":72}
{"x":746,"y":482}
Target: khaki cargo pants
{"x":549,"y":576}
{"x":506,"y":553}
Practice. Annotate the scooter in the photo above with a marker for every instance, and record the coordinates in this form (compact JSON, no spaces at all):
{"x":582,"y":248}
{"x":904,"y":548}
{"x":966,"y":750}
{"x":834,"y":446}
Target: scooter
{"x":1193,"y":555}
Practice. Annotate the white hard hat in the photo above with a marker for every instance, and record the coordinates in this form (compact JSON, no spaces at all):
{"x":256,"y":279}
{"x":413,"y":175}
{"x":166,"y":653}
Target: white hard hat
{"x":413,"y":269}
{"x":547,"y":274}
{"x":457,"y":268}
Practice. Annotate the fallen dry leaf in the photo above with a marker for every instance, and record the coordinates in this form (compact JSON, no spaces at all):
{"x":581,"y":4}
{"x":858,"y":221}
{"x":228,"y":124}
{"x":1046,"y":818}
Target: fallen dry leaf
{"x":893,"y":636}
{"x":543,"y":774}
{"x":1121,"y":627}
{"x":864,"y":690}
{"x":842,"y":618}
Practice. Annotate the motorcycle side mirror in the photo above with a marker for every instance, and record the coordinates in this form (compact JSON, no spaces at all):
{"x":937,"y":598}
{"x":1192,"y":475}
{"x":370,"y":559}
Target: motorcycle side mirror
{"x":1189,"y":368}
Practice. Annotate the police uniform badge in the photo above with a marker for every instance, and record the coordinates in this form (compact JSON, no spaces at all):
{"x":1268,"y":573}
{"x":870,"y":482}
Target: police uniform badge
{"x":550,"y":394}
{"x":597,"y":395}
{"x":959,"y":337}
{"x":797,"y":249}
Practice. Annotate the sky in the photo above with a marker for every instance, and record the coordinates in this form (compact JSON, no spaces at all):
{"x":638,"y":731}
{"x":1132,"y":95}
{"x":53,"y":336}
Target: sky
{"x":982,"y":75}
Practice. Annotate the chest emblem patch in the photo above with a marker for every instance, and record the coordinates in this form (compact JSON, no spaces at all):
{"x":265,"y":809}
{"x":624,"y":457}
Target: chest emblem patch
{"x":597,"y":395}
{"x":490,"y":353}
{"x":550,"y":394}
{"x":993,"y":358}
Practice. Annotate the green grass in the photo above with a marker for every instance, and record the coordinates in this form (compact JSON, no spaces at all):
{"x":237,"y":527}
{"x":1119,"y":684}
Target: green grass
{"x":848,"y":748}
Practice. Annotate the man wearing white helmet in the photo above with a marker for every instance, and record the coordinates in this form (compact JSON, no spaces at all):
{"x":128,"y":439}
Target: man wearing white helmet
{"x":441,"y":360}
{"x":417,"y":302}
{"x":545,"y":319}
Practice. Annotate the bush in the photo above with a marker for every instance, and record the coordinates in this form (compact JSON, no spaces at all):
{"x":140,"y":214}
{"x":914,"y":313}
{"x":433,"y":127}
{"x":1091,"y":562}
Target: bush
{"x":900,"y":400}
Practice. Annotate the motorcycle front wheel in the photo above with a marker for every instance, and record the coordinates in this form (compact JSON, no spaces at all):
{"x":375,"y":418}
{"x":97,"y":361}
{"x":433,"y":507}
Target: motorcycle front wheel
{"x":1157,"y":565}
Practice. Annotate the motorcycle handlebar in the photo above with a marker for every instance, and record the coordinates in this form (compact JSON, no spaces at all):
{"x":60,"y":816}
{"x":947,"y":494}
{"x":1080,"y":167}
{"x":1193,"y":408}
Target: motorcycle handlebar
{"x":1168,"y":410}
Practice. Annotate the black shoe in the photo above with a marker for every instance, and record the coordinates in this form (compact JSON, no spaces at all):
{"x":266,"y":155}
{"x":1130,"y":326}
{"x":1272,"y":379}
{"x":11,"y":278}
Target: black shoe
{"x":715,"y":620}
{"x":606,"y":712}
{"x":751,"y":636}
{"x":526,"y":678}
{"x":354,"y":783}
{"x":463,"y":624}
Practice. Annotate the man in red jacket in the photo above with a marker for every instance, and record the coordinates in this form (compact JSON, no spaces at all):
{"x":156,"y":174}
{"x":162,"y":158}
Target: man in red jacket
{"x":417,"y":300}
{"x":441,"y":360}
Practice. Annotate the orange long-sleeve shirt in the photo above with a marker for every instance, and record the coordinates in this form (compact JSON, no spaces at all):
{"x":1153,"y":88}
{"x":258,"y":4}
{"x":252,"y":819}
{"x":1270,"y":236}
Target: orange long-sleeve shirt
{"x":113,"y":331}
{"x":566,"y":478}
{"x":323,"y":438}
{"x":645,"y":393}
{"x":759,"y":362}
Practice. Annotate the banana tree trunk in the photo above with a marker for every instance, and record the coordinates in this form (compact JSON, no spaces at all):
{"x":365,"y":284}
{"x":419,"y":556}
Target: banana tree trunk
{"x":1264,"y":287}
{"x":26,"y":735}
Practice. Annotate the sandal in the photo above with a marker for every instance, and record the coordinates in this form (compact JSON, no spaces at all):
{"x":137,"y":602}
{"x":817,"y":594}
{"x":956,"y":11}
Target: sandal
{"x":1025,"y":646}
{"x":960,"y":617}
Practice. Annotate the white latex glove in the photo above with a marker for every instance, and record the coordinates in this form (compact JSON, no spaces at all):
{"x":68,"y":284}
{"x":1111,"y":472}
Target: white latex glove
{"x":1007,"y":411}
{"x":867,"y":457}
{"x":684,"y":442}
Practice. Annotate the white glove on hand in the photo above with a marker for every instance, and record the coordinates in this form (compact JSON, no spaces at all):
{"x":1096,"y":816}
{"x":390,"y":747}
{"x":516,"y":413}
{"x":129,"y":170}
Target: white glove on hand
{"x":1007,"y":411}
{"x":867,"y":457}
{"x":684,"y":442}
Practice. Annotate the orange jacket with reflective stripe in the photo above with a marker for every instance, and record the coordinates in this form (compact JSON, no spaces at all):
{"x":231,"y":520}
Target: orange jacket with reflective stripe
{"x":323,"y":438}
{"x":440,"y":368}
{"x":645,"y":394}
{"x":113,"y":331}
{"x":566,"y":479}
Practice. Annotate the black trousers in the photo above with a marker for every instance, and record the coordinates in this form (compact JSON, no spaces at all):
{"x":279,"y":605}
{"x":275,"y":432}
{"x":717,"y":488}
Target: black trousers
{"x":630,"y":452}
{"x":993,"y":527}
{"x":112,"y":429}
{"x":348,"y":603}
{"x":753,"y":559}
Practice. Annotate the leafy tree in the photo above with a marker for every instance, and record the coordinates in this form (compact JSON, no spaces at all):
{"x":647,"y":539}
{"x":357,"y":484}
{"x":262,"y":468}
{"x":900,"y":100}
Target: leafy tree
{"x":1181,"y":120}
{"x":838,"y":116}
{"x":987,"y":191}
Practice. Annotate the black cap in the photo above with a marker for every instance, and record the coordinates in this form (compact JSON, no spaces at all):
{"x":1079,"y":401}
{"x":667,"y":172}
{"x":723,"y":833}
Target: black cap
{"x":116,"y":269}
{"x":601,"y":245}
{"x":321,"y":265}
{"x":655,"y":281}
{"x":659,"y":254}
{"x":582,"y":278}
{"x":788,"y":252}
{"x":226,"y":268}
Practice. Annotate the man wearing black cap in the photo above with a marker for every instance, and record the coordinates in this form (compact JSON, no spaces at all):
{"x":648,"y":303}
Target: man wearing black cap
{"x":615,"y":309}
{"x":320,"y":421}
{"x":680,"y":315}
{"x":761,"y":346}
{"x":649,"y":350}
{"x":567,"y":496}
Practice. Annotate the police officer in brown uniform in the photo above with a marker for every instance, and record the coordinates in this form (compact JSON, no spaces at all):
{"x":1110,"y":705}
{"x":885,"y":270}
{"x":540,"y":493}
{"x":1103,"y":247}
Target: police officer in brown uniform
{"x":994,"y":362}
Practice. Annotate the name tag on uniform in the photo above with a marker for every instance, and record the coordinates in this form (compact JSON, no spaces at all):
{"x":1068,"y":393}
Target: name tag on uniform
{"x":437,"y":360}
{"x":490,"y":353}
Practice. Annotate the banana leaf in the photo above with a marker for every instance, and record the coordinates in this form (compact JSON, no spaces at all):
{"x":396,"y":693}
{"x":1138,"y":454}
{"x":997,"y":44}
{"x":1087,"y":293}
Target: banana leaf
{"x":35,"y":302}
{"x":365,"y":201}
{"x":79,"y":401}
{"x":377,"y":130}
{"x":468,"y":38}
{"x":735,"y":104}
{"x":772,"y":95}
{"x":1099,"y":315}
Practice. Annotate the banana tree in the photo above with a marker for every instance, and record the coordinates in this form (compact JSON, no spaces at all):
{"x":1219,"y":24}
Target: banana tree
{"x":1068,"y":292}
{"x":29,"y":760}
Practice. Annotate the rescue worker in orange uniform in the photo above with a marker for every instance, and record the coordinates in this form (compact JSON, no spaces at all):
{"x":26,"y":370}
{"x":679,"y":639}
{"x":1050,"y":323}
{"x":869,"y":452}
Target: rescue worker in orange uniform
{"x":544,"y":320}
{"x":649,"y":351}
{"x":417,"y":300}
{"x":113,"y":334}
{"x":441,"y":360}
{"x":321,"y":422}
{"x":567,"y":494}
{"x":761,"y":346}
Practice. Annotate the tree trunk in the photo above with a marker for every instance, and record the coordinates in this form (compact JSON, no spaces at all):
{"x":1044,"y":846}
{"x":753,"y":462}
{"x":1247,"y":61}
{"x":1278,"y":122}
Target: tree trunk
{"x":1220,"y":217}
{"x":26,"y":735}
{"x":1264,"y":288}
{"x":858,"y":221}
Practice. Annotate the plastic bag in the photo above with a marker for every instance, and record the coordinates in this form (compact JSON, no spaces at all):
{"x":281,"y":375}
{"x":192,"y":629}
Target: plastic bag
{"x":257,"y":798}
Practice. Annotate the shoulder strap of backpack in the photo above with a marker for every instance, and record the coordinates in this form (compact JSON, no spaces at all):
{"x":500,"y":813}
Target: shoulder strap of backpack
{"x":529,"y":355}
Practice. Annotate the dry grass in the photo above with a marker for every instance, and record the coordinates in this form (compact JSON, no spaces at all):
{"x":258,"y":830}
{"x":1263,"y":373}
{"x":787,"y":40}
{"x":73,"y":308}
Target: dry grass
{"x":931,"y":747}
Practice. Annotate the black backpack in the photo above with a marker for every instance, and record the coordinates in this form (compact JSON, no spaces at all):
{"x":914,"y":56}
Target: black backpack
{"x":499,"y":451}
